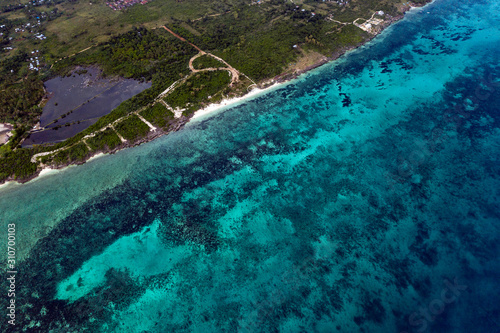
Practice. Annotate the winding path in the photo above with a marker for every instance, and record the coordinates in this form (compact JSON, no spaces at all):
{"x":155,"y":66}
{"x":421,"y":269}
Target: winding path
{"x":232,"y":71}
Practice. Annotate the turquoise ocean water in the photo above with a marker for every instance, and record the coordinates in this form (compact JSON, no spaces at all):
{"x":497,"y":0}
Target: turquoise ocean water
{"x":361,"y":197}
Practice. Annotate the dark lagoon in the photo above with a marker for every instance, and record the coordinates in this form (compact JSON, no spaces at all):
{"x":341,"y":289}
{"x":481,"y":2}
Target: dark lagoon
{"x":86,"y":97}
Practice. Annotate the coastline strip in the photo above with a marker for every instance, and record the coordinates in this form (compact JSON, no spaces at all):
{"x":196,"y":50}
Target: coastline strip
{"x":212,"y":108}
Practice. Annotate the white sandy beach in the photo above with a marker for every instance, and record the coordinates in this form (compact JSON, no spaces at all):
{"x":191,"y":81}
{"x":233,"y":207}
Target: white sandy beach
{"x":212,"y":109}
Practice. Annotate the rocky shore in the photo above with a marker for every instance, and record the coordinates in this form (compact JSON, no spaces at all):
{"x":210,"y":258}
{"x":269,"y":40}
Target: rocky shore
{"x":5,"y":130}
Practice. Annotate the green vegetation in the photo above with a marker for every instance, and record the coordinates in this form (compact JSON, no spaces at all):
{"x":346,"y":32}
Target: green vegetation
{"x":139,"y":54}
{"x":259,"y":40}
{"x":14,"y":162}
{"x":19,"y":101}
{"x":166,"y":61}
{"x":19,"y":133}
{"x":206,"y":61}
{"x":158,"y":115}
{"x":82,"y":25}
{"x":198,"y":88}
{"x":132,"y":128}
{"x":75,"y":153}
{"x":106,"y":139}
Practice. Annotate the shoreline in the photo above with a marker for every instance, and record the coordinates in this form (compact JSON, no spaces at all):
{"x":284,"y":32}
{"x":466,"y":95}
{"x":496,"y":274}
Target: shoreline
{"x":211,"y":109}
{"x":198,"y":115}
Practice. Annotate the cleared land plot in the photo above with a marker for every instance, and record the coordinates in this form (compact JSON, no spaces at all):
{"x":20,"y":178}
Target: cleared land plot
{"x":158,"y":115}
{"x":107,"y":138}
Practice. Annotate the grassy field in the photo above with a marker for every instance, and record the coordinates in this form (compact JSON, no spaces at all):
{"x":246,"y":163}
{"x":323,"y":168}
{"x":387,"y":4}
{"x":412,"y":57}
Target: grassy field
{"x":83,"y":25}
{"x":17,"y":15}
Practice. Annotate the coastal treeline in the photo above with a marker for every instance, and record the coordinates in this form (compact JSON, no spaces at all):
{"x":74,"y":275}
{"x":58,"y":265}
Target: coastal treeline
{"x":16,"y":163}
{"x":74,"y":154}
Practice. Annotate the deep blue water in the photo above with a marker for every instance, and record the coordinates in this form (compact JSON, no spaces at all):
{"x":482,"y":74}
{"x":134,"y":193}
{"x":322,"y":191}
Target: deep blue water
{"x":361,"y":197}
